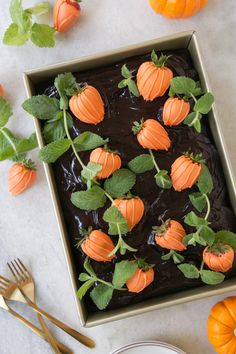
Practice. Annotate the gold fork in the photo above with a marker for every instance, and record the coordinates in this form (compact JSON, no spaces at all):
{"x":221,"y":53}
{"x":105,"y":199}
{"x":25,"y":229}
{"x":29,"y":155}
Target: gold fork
{"x":30,"y":325}
{"x":29,"y":291}
{"x":23,"y":278}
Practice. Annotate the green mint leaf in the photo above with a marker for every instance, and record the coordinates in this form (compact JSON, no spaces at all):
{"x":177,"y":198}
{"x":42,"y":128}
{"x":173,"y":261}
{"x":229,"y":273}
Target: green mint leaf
{"x":84,"y":277}
{"x":189,"y":271}
{"x":197,"y":91}
{"x":120,"y":183}
{"x":53,"y":131}
{"x":189,"y":239}
{"x":227,"y":238}
{"x":5,"y":112}
{"x":51,"y":152}
{"x":25,"y":145}
{"x":198,"y":126}
{"x":124,"y":270}
{"x":123,"y":84}
{"x":198,"y":200}
{"x":65,"y":85}
{"x":125,"y":72}
{"x":7,"y":144}
{"x":177,"y":258}
{"x":133,"y":87}
{"x":90,"y":171}
{"x":20,"y":17}
{"x":194,"y":120}
{"x":163,"y":179}
{"x":211,"y":278}
{"x":92,"y":199}
{"x":43,"y":35}
{"x":89,"y":268}
{"x":101,"y":295}
{"x":38,"y":9}
{"x":88,"y":141}
{"x":42,"y":107}
{"x":13,"y":36}
{"x":207,"y":234}
{"x":117,"y":223}
{"x":205,"y":183}
{"x":182,"y":85}
{"x":192,"y":219}
{"x":204,"y":104}
{"x":84,"y":288}
{"x":141,"y":164}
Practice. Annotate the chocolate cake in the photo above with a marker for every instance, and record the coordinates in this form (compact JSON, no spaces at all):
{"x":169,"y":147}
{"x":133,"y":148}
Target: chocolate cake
{"x":121,"y":110}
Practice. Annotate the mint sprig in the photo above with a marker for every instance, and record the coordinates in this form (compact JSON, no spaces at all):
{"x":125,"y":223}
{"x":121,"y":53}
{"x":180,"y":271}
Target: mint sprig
{"x":23,"y":28}
{"x":103,"y":291}
{"x":207,"y":276}
{"x":128,"y":81}
{"x":120,"y":183}
{"x":141,"y":164}
{"x":188,"y":88}
{"x":91,"y":199}
{"x":88,"y":141}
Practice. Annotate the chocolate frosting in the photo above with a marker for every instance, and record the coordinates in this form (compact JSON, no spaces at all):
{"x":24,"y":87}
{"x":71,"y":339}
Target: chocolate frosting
{"x":121,"y":110}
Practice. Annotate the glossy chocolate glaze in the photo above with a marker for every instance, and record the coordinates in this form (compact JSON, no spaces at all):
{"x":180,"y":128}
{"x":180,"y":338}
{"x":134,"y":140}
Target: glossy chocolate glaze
{"x":122,"y":109}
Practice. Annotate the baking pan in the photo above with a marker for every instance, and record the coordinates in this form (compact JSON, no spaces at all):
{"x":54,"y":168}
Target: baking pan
{"x":187,"y":40}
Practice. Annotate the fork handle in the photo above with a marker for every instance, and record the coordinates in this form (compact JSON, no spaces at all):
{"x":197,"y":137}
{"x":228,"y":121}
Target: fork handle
{"x":64,"y":349}
{"x":88,"y":342}
{"x":50,"y":338}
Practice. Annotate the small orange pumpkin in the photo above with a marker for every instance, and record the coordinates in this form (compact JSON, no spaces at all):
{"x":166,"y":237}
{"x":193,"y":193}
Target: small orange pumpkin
{"x":151,"y":135}
{"x":185,"y":171}
{"x":98,"y":246}
{"x":1,"y":90}
{"x":175,"y":111}
{"x":110,"y":161}
{"x":132,"y":209}
{"x":88,"y":105}
{"x":177,"y":8}
{"x":21,"y":176}
{"x":65,"y":14}
{"x":219,"y":257}
{"x":221,"y":326}
{"x":143,"y":276}
{"x":170,"y":235}
{"x":153,"y":77}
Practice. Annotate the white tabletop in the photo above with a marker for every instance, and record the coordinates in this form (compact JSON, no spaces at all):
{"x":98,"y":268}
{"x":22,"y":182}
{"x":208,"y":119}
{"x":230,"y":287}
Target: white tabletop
{"x":27,"y":223}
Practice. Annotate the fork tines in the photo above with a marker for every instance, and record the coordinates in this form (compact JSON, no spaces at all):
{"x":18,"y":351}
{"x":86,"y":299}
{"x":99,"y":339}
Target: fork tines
{"x":18,"y":270}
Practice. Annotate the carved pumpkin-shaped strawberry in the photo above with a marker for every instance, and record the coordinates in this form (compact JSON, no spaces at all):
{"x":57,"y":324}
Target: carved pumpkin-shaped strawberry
{"x":175,"y":111}
{"x":65,"y":14}
{"x":151,"y":135}
{"x":143,"y":277}
{"x":219,"y":257}
{"x":87,"y":105}
{"x":153,"y":77}
{"x":132,"y":209}
{"x":98,"y":246}
{"x":21,"y":176}
{"x":177,"y":8}
{"x":185,"y":171}
{"x":110,"y":161}
{"x":170,"y":235}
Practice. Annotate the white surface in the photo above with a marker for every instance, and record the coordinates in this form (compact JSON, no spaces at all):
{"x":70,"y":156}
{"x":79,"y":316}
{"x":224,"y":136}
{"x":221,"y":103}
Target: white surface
{"x":148,"y":347}
{"x":27,"y":223}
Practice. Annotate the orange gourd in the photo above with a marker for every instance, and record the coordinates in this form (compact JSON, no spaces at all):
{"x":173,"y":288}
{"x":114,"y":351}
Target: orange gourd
{"x":132,"y":209}
{"x":170,"y":235}
{"x":110,"y":161}
{"x":21,"y":176}
{"x":87,"y":105}
{"x":185,"y":172}
{"x":98,"y":246}
{"x":151,"y":135}
{"x":175,"y":111}
{"x":153,"y":77}
{"x":143,"y":276}
{"x":65,"y":14}
{"x":219,"y":257}
{"x":221,"y":326}
{"x":177,"y":8}
{"x":1,"y":90}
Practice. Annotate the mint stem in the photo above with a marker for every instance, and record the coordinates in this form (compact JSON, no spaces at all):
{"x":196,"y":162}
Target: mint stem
{"x":154,"y":161}
{"x":9,"y":140}
{"x":69,"y":137}
{"x":201,"y":268}
{"x":193,"y":97}
{"x":208,"y":207}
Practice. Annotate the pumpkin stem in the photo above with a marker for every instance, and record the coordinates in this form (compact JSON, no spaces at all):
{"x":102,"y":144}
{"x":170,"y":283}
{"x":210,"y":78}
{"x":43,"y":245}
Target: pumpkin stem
{"x":137,"y":126}
{"x":108,"y":149}
{"x":161,"y":230}
{"x":85,"y":234}
{"x":161,"y":61}
{"x":196,"y":158}
{"x":29,"y":164}
{"x":142,"y":264}
{"x":218,"y":248}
